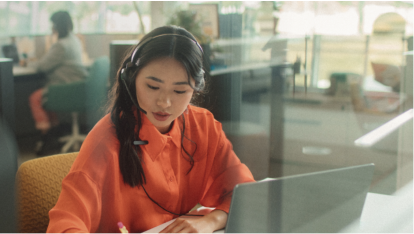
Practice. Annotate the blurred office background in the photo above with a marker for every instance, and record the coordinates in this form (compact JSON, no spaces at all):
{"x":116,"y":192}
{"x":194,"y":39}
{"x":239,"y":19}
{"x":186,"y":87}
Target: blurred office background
{"x":294,"y":83}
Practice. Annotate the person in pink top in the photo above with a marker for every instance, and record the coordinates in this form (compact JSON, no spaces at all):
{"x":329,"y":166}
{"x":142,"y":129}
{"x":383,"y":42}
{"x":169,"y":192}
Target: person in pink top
{"x":155,"y":155}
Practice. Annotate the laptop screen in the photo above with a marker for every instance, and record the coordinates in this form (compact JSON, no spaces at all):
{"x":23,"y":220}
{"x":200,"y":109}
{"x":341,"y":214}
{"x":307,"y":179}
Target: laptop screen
{"x":325,"y":201}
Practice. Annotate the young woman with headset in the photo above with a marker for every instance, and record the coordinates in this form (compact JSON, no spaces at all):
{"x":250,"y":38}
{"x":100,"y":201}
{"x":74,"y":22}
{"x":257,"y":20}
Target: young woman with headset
{"x":154,"y":156}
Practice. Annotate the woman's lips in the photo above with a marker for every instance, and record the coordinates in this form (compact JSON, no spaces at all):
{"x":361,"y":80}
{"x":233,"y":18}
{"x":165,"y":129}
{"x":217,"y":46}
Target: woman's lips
{"x":161,"y":116}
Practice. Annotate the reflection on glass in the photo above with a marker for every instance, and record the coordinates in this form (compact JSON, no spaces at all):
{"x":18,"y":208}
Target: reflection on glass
{"x":384,"y":130}
{"x":296,"y":100}
{"x":293,"y":83}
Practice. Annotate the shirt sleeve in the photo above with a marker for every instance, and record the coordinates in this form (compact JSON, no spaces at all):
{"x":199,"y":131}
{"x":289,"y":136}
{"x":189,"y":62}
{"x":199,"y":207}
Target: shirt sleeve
{"x":79,"y":206}
{"x":53,"y":58}
{"x":226,"y":173}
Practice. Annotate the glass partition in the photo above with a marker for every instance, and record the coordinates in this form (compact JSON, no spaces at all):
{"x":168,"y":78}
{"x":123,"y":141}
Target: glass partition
{"x":294,"y":84}
{"x":317,"y":123}
{"x":281,"y":127}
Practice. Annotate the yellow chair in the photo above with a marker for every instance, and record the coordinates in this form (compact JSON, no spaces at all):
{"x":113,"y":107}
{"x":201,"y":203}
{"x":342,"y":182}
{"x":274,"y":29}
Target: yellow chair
{"x":38,"y":184}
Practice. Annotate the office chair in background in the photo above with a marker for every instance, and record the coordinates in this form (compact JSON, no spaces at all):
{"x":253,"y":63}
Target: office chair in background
{"x":87,"y":96}
{"x":38,"y":185}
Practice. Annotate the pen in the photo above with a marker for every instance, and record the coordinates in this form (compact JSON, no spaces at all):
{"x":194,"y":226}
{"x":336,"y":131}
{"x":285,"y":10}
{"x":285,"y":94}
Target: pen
{"x":122,"y":228}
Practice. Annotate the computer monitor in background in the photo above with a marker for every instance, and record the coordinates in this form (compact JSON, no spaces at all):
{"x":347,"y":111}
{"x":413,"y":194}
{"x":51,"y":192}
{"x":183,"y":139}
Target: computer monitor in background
{"x":117,"y":51}
{"x":10,"y":51}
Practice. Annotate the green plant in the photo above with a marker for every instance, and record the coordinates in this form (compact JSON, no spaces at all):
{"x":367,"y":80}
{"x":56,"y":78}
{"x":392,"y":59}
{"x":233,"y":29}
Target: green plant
{"x":187,"y":19}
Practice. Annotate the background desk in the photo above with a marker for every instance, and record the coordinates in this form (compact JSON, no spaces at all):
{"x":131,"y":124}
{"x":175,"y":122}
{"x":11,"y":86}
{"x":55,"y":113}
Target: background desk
{"x":26,"y":81}
{"x":24,"y":71}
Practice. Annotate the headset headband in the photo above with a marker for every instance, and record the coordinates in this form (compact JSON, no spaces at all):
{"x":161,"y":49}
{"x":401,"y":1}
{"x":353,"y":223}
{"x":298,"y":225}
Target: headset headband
{"x":161,"y":35}
{"x":127,"y":64}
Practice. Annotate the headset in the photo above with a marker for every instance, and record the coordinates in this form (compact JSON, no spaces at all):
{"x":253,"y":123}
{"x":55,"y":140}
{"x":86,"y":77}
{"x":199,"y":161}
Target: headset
{"x":128,"y":64}
{"x":124,"y":71}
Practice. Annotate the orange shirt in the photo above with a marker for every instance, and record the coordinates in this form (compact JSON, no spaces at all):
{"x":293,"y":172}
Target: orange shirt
{"x":94,"y":197}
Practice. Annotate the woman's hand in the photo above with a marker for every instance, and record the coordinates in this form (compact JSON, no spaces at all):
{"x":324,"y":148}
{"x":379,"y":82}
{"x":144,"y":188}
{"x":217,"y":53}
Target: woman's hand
{"x":207,"y":224}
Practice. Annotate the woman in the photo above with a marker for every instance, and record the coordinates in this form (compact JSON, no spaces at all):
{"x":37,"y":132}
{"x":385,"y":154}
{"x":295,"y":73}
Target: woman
{"x":62,"y":64}
{"x":155,"y":156}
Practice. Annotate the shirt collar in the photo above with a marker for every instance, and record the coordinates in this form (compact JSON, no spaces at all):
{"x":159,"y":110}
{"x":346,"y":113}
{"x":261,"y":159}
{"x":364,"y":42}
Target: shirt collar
{"x":156,"y":140}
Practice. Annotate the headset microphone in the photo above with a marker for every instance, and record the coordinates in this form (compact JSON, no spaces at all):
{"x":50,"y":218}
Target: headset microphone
{"x":140,"y":142}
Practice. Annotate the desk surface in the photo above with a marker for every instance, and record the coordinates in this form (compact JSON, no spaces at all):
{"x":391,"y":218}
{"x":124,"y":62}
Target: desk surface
{"x":247,"y":67}
{"x":32,"y":70}
{"x":386,"y":214}
{"x":368,"y":222}
{"x":23,"y":71}
{"x":371,"y":206}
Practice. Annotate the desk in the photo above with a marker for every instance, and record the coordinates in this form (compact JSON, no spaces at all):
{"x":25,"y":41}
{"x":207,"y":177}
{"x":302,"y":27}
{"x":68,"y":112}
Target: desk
{"x":373,"y":201}
{"x":372,"y":205}
{"x":26,"y":81}
{"x":385,"y":213}
{"x":24,"y":71}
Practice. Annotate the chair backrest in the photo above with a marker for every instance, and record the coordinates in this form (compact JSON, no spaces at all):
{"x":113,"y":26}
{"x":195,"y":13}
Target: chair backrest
{"x":38,"y":185}
{"x":97,"y":82}
{"x":80,"y":95}
{"x":89,"y":95}
{"x":97,"y":86}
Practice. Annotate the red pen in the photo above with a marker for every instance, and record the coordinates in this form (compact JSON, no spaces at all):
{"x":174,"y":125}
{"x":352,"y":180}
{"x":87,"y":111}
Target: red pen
{"x":122,"y":228}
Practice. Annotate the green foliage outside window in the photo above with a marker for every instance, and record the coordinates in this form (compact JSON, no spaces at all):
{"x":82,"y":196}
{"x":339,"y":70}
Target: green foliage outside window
{"x":187,"y":19}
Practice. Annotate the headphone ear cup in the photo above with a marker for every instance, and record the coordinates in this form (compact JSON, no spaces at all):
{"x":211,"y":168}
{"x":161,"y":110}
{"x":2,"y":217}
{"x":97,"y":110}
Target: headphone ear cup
{"x":124,"y":75}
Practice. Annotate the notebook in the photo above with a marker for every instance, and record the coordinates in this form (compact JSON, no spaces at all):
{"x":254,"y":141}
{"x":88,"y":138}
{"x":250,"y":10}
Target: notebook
{"x":325,"y":201}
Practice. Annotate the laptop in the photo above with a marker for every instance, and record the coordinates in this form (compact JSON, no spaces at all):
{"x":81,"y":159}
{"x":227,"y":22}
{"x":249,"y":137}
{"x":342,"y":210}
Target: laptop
{"x":325,"y":201}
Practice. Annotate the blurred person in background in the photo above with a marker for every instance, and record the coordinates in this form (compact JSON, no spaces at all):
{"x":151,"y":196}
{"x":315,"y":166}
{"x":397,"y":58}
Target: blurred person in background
{"x":62,"y":64}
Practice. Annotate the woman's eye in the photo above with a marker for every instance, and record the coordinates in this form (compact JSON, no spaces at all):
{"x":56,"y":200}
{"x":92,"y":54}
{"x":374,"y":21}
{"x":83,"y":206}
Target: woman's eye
{"x":179,"y":92}
{"x":152,"y":87}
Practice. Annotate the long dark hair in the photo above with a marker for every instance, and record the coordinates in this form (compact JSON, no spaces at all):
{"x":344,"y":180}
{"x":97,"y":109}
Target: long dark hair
{"x":62,"y":23}
{"x":151,"y":47}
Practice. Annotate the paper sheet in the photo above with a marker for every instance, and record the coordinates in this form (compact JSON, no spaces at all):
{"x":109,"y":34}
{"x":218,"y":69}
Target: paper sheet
{"x":159,"y":228}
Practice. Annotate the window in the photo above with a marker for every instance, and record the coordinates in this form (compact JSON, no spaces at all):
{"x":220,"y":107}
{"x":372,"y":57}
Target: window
{"x":28,"y":18}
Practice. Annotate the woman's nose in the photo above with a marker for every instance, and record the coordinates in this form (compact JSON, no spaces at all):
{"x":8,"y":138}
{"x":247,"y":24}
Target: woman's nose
{"x":164,"y":101}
